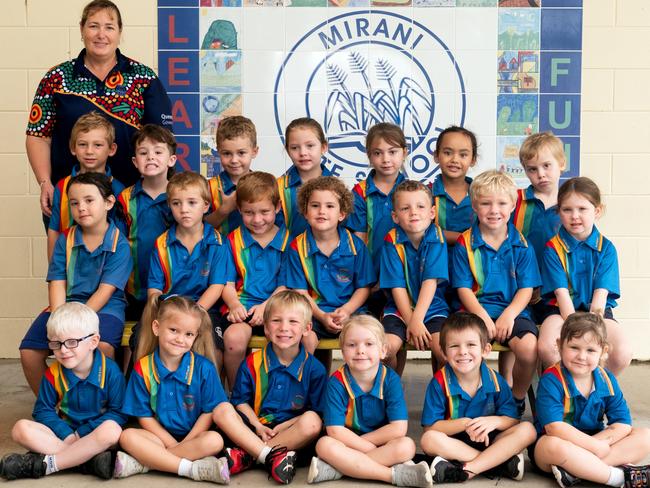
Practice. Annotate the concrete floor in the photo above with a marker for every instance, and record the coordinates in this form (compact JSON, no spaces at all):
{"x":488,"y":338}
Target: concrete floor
{"x":16,"y":401}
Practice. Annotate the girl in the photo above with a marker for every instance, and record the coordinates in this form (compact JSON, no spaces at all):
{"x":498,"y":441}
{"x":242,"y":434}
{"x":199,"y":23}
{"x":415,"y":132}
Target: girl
{"x":580,"y":272}
{"x":306,"y":145}
{"x":173,"y":389}
{"x":90,"y":264}
{"x":365,"y":415}
{"x":572,"y":398}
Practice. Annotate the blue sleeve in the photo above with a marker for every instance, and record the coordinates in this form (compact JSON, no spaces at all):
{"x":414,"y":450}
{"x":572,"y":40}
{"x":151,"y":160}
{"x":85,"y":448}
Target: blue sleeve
{"x":336,"y":403}
{"x":115,"y":387}
{"x":55,"y":218}
{"x":434,"y":404}
{"x":157,"y":105}
{"x":553,"y":274}
{"x":117,"y":188}
{"x":526,"y":268}
{"x":357,"y":221}
{"x":219,"y":265}
{"x":394,"y":398}
{"x":550,"y":400}
{"x":436,"y":265}
{"x":56,"y":269}
{"x":606,"y":274}
{"x":244,"y":390}
{"x":391,"y":270}
{"x":282,"y":270}
{"x":317,"y":385}
{"x":136,"y":398}
{"x":118,"y":265}
{"x":616,"y":408}
{"x":364,"y":270}
{"x":212,"y":393}
{"x":505,"y":402}
{"x":156,"y":277}
{"x":296,"y":278}
{"x":45,"y":410}
{"x":461,"y":273}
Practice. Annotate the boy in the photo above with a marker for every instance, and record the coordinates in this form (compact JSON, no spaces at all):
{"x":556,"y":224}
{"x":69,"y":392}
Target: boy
{"x":413,"y":260}
{"x":495,"y":271}
{"x":92,"y":142}
{"x":237,"y":145}
{"x":77,"y":412}
{"x":258,"y":266}
{"x":277,"y":395}
{"x":328,"y":263}
{"x":469,"y":415}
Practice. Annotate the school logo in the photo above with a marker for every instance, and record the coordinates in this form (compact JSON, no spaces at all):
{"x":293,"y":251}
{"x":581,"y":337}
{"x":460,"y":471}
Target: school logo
{"x":188,"y":402}
{"x":364,"y":67}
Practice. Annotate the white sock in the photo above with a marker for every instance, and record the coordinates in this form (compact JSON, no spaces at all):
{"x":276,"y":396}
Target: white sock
{"x":262,"y":457}
{"x":185,"y":468}
{"x":616,"y":477}
{"x":50,"y":464}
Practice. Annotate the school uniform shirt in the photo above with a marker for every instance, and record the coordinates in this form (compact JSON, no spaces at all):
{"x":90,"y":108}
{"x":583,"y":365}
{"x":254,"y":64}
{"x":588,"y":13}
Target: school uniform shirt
{"x":256,"y":271}
{"x":276,"y":392}
{"x":559,"y":400}
{"x":347,"y":405}
{"x":403,"y":266}
{"x":222,"y":183}
{"x":372,"y":213}
{"x":83,"y":271}
{"x":581,"y":267}
{"x":176,"y":399}
{"x":332,"y":280}
{"x":289,"y":184}
{"x":446,"y":400}
{"x":494,"y":276}
{"x":456,"y":217}
{"x":537,"y":223}
{"x":68,"y":404}
{"x":61,"y":218}
{"x":146,"y":219}
{"x":175,"y":271}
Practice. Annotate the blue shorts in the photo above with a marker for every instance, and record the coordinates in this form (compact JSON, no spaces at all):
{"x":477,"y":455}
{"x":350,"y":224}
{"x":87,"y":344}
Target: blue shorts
{"x":396,"y":326}
{"x":542,"y":311}
{"x":110,"y":331}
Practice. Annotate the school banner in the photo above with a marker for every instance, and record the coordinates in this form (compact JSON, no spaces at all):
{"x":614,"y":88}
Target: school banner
{"x":502,"y":68}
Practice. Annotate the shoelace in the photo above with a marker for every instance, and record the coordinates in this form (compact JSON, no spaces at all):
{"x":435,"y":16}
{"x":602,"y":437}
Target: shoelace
{"x":277,"y":451}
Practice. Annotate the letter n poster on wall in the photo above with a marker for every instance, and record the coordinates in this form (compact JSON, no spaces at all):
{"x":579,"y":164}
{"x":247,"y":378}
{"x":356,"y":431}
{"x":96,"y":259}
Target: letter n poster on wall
{"x":502,"y":68}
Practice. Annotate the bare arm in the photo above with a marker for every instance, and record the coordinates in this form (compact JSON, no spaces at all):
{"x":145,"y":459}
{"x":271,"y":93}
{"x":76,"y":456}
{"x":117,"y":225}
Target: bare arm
{"x":39,"y":150}
{"x":403,"y":303}
{"x":471,"y":304}
{"x":101,"y":296}
{"x":506,"y":320}
{"x":451,"y":237}
{"x":56,"y":293}
{"x":202,"y":424}
{"x":349,"y":438}
{"x":52,"y":236}
{"x":210,"y":296}
{"x":568,"y":432}
{"x":388,"y":432}
{"x":599,"y":300}
{"x":152,"y":425}
{"x":564,"y":302}
{"x":450,"y":427}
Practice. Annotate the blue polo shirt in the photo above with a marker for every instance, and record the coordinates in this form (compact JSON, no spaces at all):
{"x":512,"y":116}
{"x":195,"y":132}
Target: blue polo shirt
{"x":175,"y":271}
{"x":446,"y":400}
{"x":498,"y":274}
{"x":588,"y":265}
{"x":346,"y":404}
{"x":256,"y":271}
{"x":68,"y":404}
{"x":427,"y":262}
{"x":176,"y":399}
{"x":146,"y":219}
{"x":289,"y":184}
{"x":61,"y":218}
{"x":276,"y":392}
{"x":537,"y":223}
{"x":332,"y":280}
{"x":585,"y":414}
{"x":372,"y":213}
{"x":456,"y":217}
{"x":223,"y":183}
{"x":83,"y":271}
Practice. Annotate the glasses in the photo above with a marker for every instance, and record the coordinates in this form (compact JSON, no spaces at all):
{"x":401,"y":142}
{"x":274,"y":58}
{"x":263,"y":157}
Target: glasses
{"x":68,"y":343}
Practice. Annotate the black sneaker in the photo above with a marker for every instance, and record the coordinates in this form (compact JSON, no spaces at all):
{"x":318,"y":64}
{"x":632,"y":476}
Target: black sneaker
{"x":563,"y":477}
{"x":443,"y":471}
{"x":15,"y":466}
{"x":636,"y":476}
{"x":101,"y":465}
{"x":280,"y":464}
{"x":512,"y":468}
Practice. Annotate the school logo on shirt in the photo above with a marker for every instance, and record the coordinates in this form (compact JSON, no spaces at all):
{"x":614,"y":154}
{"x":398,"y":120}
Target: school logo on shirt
{"x":298,"y":402}
{"x":378,"y":67}
{"x":205,"y":270}
{"x":188,"y":402}
{"x":343,"y":275}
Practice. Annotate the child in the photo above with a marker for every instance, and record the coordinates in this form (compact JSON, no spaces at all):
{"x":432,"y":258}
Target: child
{"x":257,"y":265}
{"x":277,"y":396}
{"x":77,"y":413}
{"x":365,"y":415}
{"x":572,"y":398}
{"x":413,"y":262}
{"x":470,"y":419}
{"x":580,"y":272}
{"x":92,"y":142}
{"x":305,"y":143}
{"x":327,"y":263}
{"x":237,"y":145}
{"x":190,"y":258}
{"x":90,"y":264}
{"x":145,"y":206}
{"x":172,"y":391}
{"x":494,"y":272}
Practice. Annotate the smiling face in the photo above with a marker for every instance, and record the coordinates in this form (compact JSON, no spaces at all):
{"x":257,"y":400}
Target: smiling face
{"x":464,"y":351}
{"x":386,"y":158}
{"x":101,"y":34}
{"x":324,"y":211}
{"x":362,"y":350}
{"x":88,"y":207}
{"x":188,"y":206}
{"x":544,"y":171}
{"x":493,"y":210}
{"x":305,"y":149}
{"x":581,"y":355}
{"x":236,"y":156}
{"x":176,"y":332}
{"x":578,"y":215}
{"x":285,"y":327}
{"x":78,"y":359}
{"x":92,"y":150}
{"x":455,"y":156}
{"x":413,"y":211}
{"x":153,"y":158}
{"x":259,"y":217}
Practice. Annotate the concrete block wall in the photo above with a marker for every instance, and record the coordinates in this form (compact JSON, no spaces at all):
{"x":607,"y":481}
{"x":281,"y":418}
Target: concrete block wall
{"x":37,"y":34}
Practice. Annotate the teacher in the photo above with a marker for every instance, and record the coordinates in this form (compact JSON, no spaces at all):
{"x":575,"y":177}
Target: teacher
{"x":101,"y":78}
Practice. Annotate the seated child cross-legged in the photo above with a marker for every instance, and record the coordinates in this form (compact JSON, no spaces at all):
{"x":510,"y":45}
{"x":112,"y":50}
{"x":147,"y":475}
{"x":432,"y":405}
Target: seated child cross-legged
{"x":365,"y":415}
{"x":77,"y":412}
{"x":470,"y":418}
{"x":573,"y":397}
{"x":276,"y":400}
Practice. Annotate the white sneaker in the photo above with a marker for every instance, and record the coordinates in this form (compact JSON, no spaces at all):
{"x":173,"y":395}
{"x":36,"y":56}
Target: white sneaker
{"x":319,"y":471}
{"x":126,"y":466}
{"x":211,"y":469}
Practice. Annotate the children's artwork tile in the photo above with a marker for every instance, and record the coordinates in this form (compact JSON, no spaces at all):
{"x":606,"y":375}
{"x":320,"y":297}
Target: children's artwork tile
{"x":519,"y":3}
{"x":391,"y":3}
{"x":220,"y":28}
{"x":518,"y":71}
{"x":476,"y":3}
{"x":519,"y":29}
{"x":267,"y":3}
{"x":263,"y":29}
{"x":508,"y":156}
{"x":220,"y":71}
{"x":434,"y":3}
{"x":475,"y":28}
{"x":210,"y":161}
{"x":221,"y":3}
{"x":517,"y":115}
{"x":215,"y":107}
{"x":348,"y":3}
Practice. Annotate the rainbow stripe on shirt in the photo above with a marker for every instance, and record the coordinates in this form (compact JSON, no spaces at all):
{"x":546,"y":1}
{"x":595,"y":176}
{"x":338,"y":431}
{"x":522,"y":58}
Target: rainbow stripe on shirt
{"x":146,"y":368}
{"x":165,"y":258}
{"x":65,"y":214}
{"x":401,"y":252}
{"x":523,"y":212}
{"x":216,"y":191}
{"x":351,"y":416}
{"x":453,"y":401}
{"x":130,"y":205}
{"x":475,"y":260}
{"x":286,"y":199}
{"x":441,"y":211}
{"x":361,"y":189}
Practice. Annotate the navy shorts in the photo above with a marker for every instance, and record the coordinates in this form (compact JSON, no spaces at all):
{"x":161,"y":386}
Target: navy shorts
{"x":542,"y":311}
{"x":110,"y":331}
{"x":521,"y":327}
{"x":479,"y":446}
{"x":219,"y":326}
{"x":396,"y":326}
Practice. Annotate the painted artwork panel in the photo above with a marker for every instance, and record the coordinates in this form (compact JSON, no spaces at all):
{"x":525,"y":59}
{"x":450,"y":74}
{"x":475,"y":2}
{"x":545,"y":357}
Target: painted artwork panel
{"x":519,"y":29}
